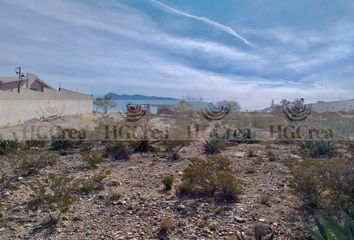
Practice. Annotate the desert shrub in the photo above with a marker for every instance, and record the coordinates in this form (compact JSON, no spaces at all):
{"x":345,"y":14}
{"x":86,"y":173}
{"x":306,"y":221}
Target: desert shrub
{"x":114,"y":195}
{"x":260,"y":232}
{"x":55,"y":192}
{"x":94,"y":183}
{"x":35,"y":143}
{"x":8,"y":146}
{"x":118,"y":151}
{"x":265,"y":199}
{"x":210,"y":178}
{"x":212,"y":146}
{"x":325,"y":183}
{"x":23,"y":165}
{"x":272,"y":157}
{"x":318,"y":148}
{"x":251,"y":153}
{"x":141,"y":146}
{"x":167,"y":182}
{"x":329,"y":229}
{"x":61,"y":144}
{"x":213,"y":227}
{"x":323,"y":148}
{"x":250,"y":170}
{"x":167,"y":224}
{"x":92,"y":158}
{"x":351,"y":148}
{"x":227,"y":187}
{"x":44,"y":160}
{"x":174,"y":146}
{"x":308,"y":144}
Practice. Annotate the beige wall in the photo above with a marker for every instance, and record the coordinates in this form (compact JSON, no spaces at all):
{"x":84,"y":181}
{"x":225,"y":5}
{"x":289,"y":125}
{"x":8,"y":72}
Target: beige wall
{"x":15,"y":108}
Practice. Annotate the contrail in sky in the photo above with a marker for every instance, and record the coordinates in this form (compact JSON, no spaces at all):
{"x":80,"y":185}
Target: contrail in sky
{"x":205,"y":20}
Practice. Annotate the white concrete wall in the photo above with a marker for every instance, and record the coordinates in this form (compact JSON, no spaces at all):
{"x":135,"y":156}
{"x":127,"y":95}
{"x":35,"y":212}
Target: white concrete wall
{"x":15,"y":108}
{"x":335,"y":106}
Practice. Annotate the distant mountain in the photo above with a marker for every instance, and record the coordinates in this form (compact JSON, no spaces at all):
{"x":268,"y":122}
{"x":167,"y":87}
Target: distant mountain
{"x":114,"y":96}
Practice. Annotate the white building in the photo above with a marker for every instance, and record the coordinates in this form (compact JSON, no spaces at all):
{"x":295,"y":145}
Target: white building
{"x":28,"y":97}
{"x":333,"y":106}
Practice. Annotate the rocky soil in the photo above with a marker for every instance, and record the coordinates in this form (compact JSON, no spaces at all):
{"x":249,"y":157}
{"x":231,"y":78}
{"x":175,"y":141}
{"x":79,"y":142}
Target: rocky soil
{"x":140,"y":202}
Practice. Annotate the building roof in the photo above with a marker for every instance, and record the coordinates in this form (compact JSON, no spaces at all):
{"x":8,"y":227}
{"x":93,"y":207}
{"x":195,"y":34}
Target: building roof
{"x":28,"y":77}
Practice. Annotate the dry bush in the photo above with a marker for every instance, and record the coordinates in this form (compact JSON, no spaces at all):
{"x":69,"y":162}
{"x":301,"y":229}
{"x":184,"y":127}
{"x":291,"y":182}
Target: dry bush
{"x":94,"y":183}
{"x":141,"y":146}
{"x":210,"y":178}
{"x":24,"y":165}
{"x":61,"y":144}
{"x":251,"y":153}
{"x":272,"y":157}
{"x":265,"y":199}
{"x":167,"y":224}
{"x":325,"y":183}
{"x":54,"y":192}
{"x":114,"y":195}
{"x":174,"y":146}
{"x":351,"y":148}
{"x":118,"y":151}
{"x":92,"y":158}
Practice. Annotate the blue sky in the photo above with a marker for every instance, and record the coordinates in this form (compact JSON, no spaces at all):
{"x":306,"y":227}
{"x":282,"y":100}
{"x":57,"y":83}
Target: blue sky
{"x":249,"y":51}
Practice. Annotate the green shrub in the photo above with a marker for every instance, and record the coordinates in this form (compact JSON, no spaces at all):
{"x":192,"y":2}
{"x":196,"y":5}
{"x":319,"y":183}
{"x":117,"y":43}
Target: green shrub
{"x":174,"y":146}
{"x":185,"y":188}
{"x":61,"y":144}
{"x":35,"y":143}
{"x":318,"y":148}
{"x":210,"y":178}
{"x":93,"y":158}
{"x":7,"y":146}
{"x":325,"y":182}
{"x":212,"y":146}
{"x":227,"y":187}
{"x":308,"y":144}
{"x":118,"y":151}
{"x":328,"y":229}
{"x":323,"y":148}
{"x":167,"y":182}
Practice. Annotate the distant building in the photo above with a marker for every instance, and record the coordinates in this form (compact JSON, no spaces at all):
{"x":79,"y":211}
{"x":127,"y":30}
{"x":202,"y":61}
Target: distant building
{"x":333,"y":106}
{"x":320,"y":106}
{"x":28,"y":81}
{"x":28,"y":97}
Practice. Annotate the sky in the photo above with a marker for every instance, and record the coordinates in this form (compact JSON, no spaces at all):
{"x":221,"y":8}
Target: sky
{"x":248,"y":51}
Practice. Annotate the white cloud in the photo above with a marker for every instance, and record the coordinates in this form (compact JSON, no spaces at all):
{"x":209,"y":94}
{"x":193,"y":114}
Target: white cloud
{"x":120,"y":49}
{"x":205,"y":20}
